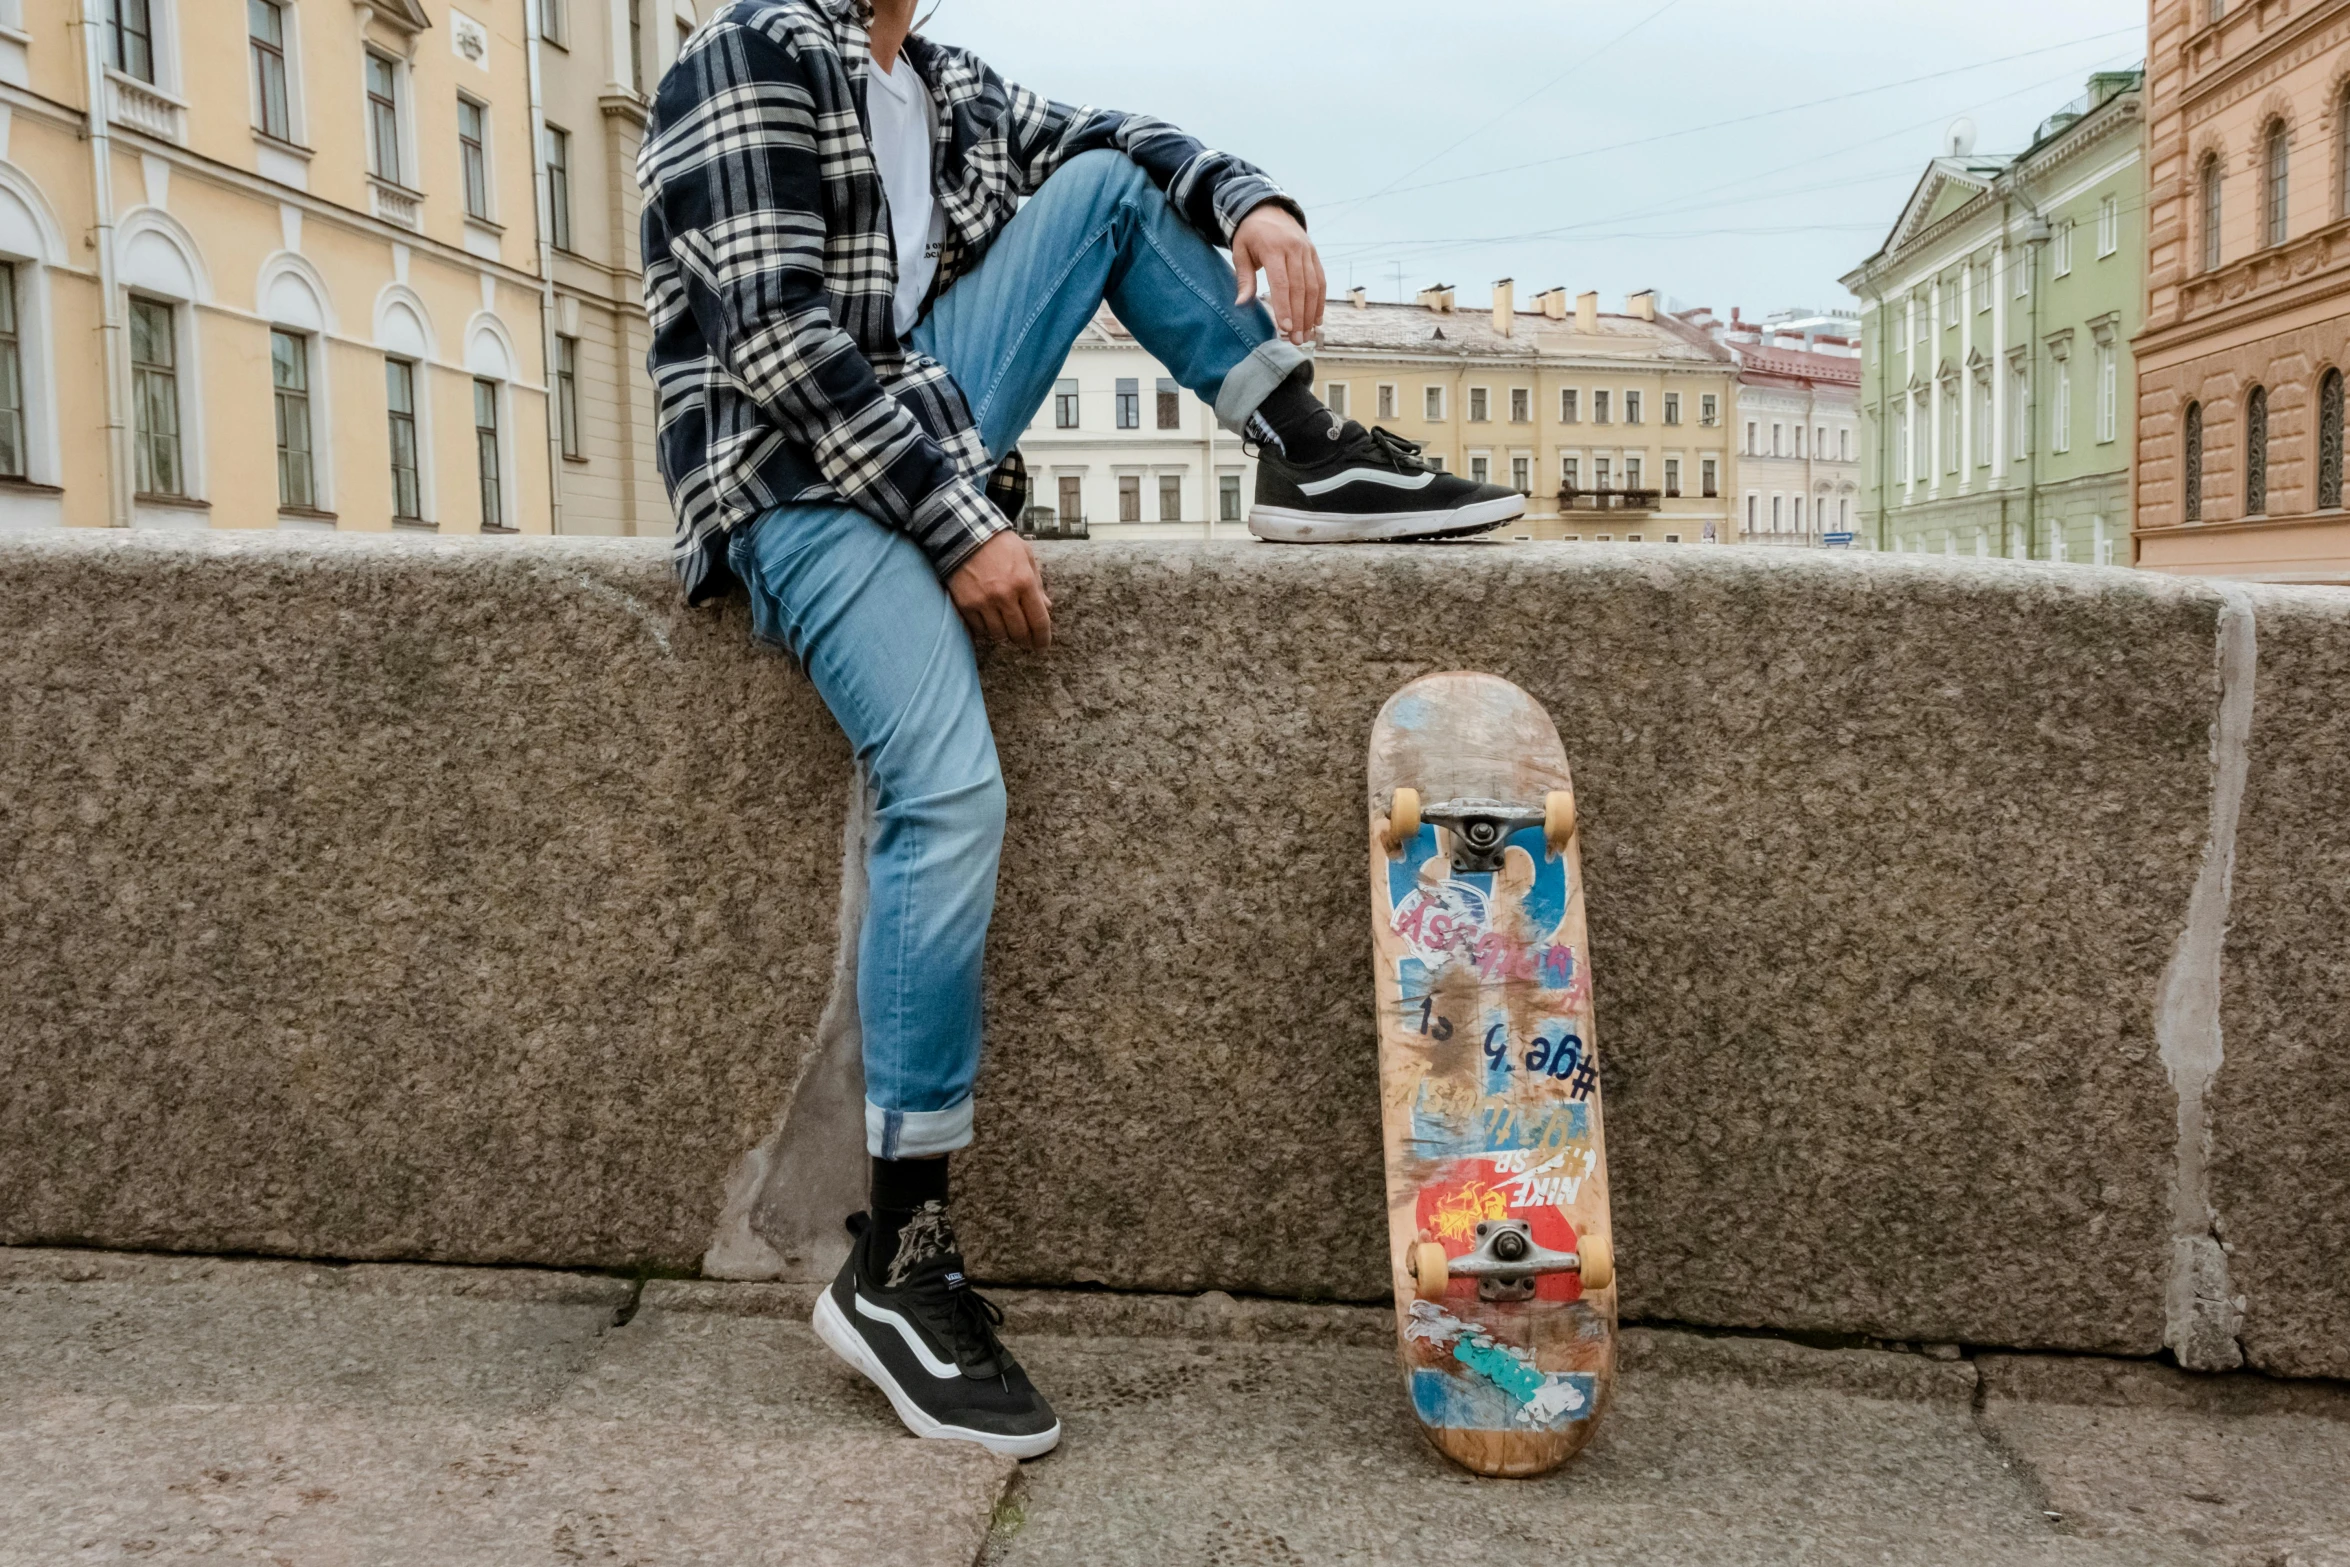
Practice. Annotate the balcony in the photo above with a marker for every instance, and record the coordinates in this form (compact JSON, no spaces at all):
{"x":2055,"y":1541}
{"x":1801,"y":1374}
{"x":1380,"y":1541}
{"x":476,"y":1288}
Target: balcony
{"x":1042,"y":522}
{"x":143,"y":106}
{"x":396,"y":203}
{"x":1574,"y":499}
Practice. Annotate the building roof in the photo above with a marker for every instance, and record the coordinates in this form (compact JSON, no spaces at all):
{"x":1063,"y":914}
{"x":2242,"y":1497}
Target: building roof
{"x":1796,"y":364}
{"x":1391,"y":329}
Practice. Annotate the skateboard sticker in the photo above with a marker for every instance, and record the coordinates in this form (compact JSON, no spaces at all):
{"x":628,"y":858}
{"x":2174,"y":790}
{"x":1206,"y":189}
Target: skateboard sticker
{"x":1501,"y":925}
{"x":1507,"y":1185}
{"x":1495,"y":1387}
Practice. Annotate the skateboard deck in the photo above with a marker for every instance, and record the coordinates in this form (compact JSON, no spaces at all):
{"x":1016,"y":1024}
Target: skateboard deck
{"x":1497,"y":1197}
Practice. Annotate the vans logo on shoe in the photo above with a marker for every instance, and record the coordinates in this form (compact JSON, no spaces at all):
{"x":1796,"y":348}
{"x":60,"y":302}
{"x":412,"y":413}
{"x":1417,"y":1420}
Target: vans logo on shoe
{"x":1399,"y":481}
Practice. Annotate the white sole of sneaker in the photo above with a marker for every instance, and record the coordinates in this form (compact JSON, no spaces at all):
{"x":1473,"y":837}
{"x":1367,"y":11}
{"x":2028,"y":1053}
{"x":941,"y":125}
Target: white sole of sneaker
{"x":843,"y":1341}
{"x":1286,"y":525}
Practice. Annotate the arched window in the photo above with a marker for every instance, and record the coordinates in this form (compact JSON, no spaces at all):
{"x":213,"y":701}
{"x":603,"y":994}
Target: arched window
{"x":2256,"y":453}
{"x":2276,"y":162}
{"x":2329,"y":441}
{"x":2211,"y":212}
{"x":2193,"y":482}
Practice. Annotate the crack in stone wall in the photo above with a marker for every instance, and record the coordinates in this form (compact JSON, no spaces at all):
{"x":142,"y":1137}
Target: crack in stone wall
{"x":2202,"y":1316}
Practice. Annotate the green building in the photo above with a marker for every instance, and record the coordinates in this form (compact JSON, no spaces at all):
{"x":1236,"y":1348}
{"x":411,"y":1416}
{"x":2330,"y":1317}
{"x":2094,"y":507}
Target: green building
{"x":1998,"y":397}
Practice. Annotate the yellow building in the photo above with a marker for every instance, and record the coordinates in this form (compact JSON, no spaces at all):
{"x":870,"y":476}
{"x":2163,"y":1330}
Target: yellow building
{"x":1612,"y":425}
{"x":300,"y":265}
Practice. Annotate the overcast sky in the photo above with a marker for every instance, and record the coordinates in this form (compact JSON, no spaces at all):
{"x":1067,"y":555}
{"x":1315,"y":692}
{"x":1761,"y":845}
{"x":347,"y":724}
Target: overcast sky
{"x":1389,"y":119}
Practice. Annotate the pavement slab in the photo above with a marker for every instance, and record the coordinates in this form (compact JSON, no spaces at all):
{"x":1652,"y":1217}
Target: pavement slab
{"x":184,"y":1410}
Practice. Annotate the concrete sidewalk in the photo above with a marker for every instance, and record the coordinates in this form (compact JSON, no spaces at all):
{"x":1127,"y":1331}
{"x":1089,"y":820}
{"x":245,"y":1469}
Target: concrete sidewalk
{"x":169,"y":1409}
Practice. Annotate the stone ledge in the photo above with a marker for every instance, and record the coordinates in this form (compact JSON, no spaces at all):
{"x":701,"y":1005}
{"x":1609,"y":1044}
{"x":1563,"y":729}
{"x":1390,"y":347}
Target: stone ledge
{"x":448,"y":901}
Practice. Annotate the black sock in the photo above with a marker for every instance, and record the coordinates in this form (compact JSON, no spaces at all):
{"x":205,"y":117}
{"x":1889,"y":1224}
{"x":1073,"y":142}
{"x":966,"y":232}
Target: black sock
{"x":1293,"y":421}
{"x":902,"y":1189}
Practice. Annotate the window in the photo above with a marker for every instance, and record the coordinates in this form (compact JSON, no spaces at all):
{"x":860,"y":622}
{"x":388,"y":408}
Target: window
{"x":1570,"y":410}
{"x":1798,"y":514}
{"x":1753,"y":438}
{"x":1228,"y":497}
{"x":400,"y":398}
{"x":2060,"y":417}
{"x":1170,"y":405}
{"x":1778,"y":514}
{"x":1753,"y":512}
{"x":1672,"y":407}
{"x":2191,"y":484}
{"x":1130,"y":409}
{"x":1522,"y":475}
{"x":1334,"y":398}
{"x":1479,"y":409}
{"x":2060,"y":246}
{"x":155,"y":398}
{"x":1709,"y":410}
{"x":1599,"y":473}
{"x":1599,"y":408}
{"x":2108,"y":391}
{"x":289,"y":376}
{"x":1570,"y":473}
{"x":558,"y":188}
{"x":1901,"y":474}
{"x":2329,"y":441}
{"x":1982,"y":418}
{"x":1065,"y":405}
{"x":1521,"y":405}
{"x":2211,"y":212}
{"x":1673,"y":476}
{"x":2109,"y":226}
{"x":131,"y":25}
{"x":265,"y":21}
{"x":1799,"y":440}
{"x":1709,"y":478}
{"x":1778,"y":440}
{"x":2275,"y":165}
{"x":1631,"y":407}
{"x":13,"y":459}
{"x":1432,"y":403}
{"x":473,"y":156}
{"x":383,"y":118}
{"x":1072,"y":499}
{"x":485,"y":451}
{"x":555,"y":22}
{"x":2020,"y":270}
{"x":636,"y":46}
{"x":2256,"y":453}
{"x":1982,"y":294}
{"x":1386,"y":400}
{"x":1130,"y":497}
{"x":1844,"y":446}
{"x":1170,"y":497}
{"x":567,"y":392}
{"x":1631,"y":473}
{"x":1480,"y":469}
{"x":2019,"y":411}
{"x":1436,"y":462}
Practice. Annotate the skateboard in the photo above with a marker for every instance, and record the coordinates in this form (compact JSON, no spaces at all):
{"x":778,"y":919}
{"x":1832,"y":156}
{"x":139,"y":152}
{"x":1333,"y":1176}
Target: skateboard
{"x":1497,"y":1200}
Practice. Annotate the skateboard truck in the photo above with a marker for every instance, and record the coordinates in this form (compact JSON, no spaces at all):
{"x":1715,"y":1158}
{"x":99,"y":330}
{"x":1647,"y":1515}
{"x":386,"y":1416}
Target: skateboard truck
{"x":1507,"y":1260}
{"x":1481,"y":829}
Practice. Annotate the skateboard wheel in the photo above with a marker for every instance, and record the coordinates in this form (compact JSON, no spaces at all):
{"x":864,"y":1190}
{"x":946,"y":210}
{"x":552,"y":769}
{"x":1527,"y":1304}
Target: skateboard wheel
{"x":1403,"y":819}
{"x":1558,"y":819}
{"x":1431,"y":1270}
{"x":1599,"y":1262}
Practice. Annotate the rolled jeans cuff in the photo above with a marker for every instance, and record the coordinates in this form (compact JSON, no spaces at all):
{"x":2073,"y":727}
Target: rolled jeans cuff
{"x":916,"y":1134}
{"x":1250,"y":382}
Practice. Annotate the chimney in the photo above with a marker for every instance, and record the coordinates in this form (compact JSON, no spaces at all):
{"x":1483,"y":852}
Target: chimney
{"x":1505,"y":306}
{"x":1438,"y":299}
{"x":1587,"y":312}
{"x":1551,"y":302}
{"x":1642,"y":304}
{"x":1361,"y":298}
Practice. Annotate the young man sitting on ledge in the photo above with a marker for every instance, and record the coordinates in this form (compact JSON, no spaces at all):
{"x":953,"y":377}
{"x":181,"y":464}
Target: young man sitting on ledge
{"x":866,"y":259}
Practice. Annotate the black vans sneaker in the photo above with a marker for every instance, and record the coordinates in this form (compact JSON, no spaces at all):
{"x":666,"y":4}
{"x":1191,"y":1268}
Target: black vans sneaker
{"x":920,"y":1333}
{"x":1368,"y":485}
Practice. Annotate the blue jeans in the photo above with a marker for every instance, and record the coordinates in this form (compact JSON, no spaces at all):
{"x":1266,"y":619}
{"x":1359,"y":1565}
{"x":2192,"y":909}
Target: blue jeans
{"x":858,"y":604}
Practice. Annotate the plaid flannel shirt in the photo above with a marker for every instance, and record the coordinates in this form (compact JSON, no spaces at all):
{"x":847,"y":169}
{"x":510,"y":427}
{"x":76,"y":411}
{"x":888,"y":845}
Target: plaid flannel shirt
{"x":770,"y":272}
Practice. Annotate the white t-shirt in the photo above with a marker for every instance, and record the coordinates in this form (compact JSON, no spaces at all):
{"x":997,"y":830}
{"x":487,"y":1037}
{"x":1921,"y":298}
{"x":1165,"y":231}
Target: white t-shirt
{"x":903,"y":118}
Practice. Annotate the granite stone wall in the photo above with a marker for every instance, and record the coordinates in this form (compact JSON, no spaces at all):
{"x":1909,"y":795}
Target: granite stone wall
{"x":394,"y":899}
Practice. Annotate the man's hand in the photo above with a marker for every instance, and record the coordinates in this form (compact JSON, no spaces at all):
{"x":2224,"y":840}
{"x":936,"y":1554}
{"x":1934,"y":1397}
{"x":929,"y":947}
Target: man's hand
{"x":1269,"y":237}
{"x":999,"y":592}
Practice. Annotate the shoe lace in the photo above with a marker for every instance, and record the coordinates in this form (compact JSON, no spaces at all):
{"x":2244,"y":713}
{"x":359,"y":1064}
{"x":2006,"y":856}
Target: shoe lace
{"x":1401,"y":455}
{"x":971,"y":1321}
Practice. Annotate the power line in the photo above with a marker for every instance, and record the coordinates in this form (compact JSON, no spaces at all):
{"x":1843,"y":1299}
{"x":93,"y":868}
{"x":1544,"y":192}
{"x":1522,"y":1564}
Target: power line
{"x":1579,"y":64}
{"x":1696,"y":130}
